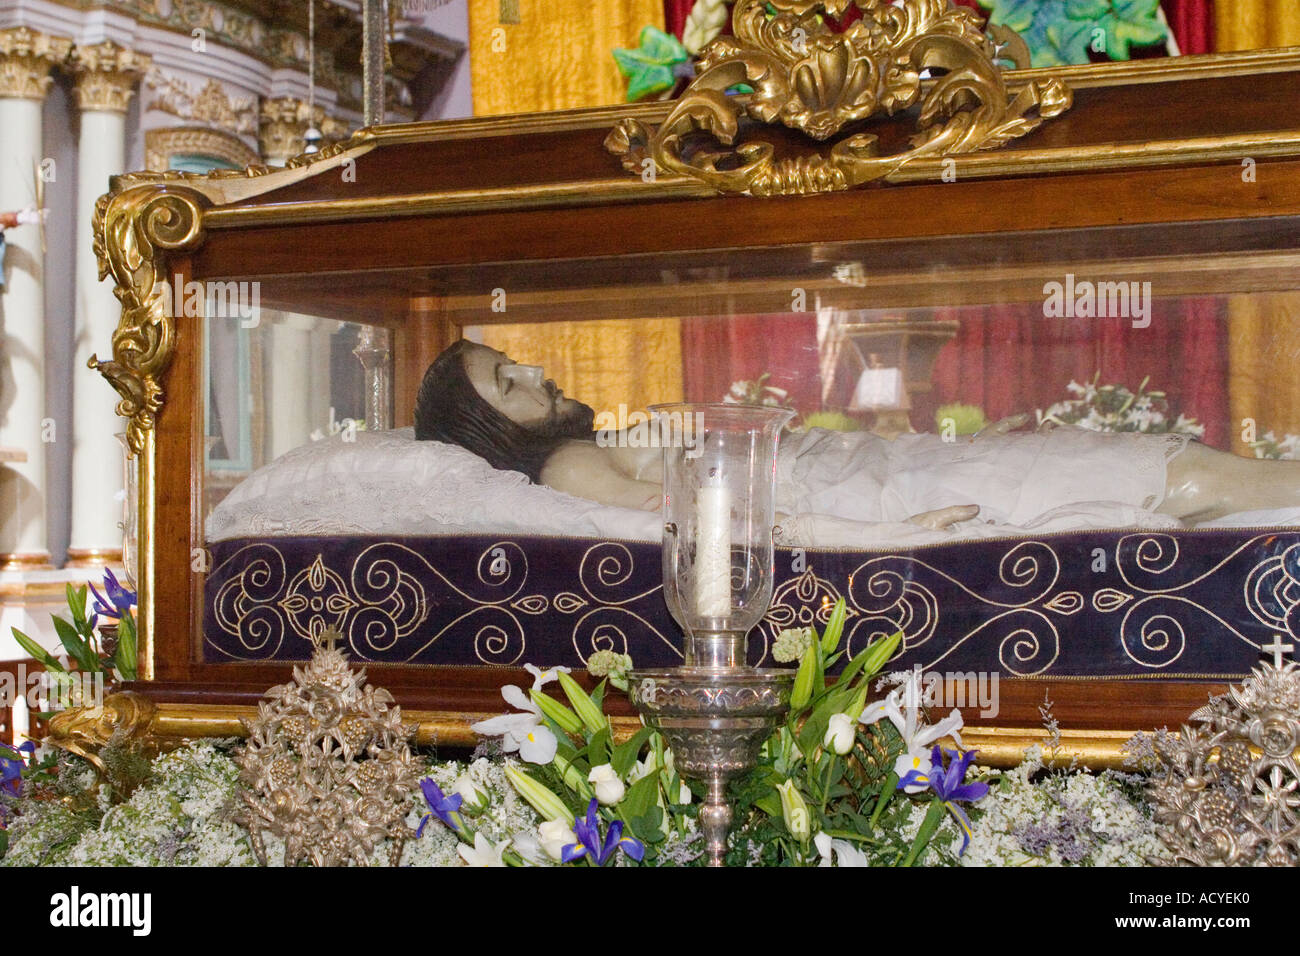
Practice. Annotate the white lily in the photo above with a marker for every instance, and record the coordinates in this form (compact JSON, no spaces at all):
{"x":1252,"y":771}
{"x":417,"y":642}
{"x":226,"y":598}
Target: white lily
{"x":554,"y":836}
{"x":609,"y":788}
{"x":484,"y":852}
{"x":524,"y":732}
{"x":903,"y":708}
{"x":838,"y":852}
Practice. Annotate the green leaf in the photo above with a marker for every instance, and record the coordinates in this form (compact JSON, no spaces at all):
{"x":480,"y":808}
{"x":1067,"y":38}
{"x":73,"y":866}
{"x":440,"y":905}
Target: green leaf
{"x":124,"y":658}
{"x":625,"y":754}
{"x":598,"y":748}
{"x":640,"y":797}
{"x":76,"y":645}
{"x":770,"y":804}
{"x":1016,"y":14}
{"x":814,"y":728}
{"x":1068,"y":42}
{"x":646,"y":827}
{"x":35,"y":650}
{"x":1086,"y":9}
{"x":649,"y":67}
{"x":77,"y":605}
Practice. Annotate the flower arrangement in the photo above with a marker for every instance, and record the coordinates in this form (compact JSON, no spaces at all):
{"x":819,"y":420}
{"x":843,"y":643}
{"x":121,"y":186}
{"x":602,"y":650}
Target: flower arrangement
{"x":1113,"y":408}
{"x":81,"y":640}
{"x":181,"y":813}
{"x":1277,"y":449}
{"x":839,"y":782}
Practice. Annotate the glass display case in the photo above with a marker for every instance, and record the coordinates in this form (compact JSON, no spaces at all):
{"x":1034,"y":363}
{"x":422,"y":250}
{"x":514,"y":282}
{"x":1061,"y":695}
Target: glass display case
{"x":1088,"y":333}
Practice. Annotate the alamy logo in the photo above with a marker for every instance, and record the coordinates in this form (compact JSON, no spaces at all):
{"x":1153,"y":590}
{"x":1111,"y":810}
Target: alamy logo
{"x":1073,"y":299}
{"x":49,"y":690}
{"x":216,"y":300}
{"x":74,"y":908}
{"x":622,"y":429}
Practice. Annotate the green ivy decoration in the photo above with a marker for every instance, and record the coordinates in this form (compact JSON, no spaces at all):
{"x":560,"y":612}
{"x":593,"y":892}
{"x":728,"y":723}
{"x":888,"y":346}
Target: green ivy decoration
{"x":1062,"y":32}
{"x":650,"y":67}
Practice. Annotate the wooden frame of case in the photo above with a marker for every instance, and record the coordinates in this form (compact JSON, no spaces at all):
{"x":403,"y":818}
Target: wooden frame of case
{"x":1145,"y":164}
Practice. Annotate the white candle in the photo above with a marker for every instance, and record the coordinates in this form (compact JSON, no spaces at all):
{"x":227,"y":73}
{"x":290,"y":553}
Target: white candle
{"x":713,"y":552}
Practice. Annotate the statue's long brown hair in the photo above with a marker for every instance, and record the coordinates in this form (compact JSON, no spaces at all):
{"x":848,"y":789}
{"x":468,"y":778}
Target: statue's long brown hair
{"x":449,"y":409}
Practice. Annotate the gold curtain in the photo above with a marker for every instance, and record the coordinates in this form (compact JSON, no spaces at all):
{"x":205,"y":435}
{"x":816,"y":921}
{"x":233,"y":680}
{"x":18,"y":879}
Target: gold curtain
{"x":1262,"y":329}
{"x":1255,"y":24}
{"x":557,"y":56}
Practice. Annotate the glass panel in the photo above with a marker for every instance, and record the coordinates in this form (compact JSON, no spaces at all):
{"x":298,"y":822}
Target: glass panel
{"x":1187,"y":330}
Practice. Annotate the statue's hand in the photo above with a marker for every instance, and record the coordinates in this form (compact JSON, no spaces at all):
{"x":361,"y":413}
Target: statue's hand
{"x":1003,"y":427}
{"x":945,"y":518}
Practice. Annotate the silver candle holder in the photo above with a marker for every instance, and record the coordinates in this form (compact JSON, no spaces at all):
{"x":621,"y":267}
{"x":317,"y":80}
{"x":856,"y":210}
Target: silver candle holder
{"x":715,"y":711}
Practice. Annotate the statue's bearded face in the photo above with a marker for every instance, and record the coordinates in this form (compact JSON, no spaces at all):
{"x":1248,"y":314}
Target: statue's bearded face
{"x":505,"y":413}
{"x":522,"y":393}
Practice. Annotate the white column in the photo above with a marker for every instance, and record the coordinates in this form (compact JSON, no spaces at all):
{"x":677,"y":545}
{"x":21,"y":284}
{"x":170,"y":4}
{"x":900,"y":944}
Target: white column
{"x":104,"y":76}
{"x":289,"y":384}
{"x":26,"y":58}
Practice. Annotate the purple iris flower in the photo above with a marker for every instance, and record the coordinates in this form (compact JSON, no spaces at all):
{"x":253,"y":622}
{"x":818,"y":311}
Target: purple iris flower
{"x":589,"y":840}
{"x":119,"y":599}
{"x":445,"y":808}
{"x":947,"y":784}
{"x":11,"y":770}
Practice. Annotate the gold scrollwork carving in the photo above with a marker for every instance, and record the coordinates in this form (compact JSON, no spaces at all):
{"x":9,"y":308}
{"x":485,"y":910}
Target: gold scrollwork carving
{"x":811,"y":79}
{"x":135,"y":233}
{"x":84,"y":731}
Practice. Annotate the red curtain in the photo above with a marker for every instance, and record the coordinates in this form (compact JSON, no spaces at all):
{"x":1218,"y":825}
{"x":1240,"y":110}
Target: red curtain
{"x":1011,"y":359}
{"x":717,"y":351}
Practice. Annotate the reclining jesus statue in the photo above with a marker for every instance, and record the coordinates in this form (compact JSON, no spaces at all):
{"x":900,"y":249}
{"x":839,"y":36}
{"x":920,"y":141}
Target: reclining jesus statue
{"x":1066,"y":478}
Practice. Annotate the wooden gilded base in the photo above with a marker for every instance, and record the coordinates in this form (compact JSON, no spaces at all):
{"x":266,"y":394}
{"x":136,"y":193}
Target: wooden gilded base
{"x":26,"y":561}
{"x":93,"y":557}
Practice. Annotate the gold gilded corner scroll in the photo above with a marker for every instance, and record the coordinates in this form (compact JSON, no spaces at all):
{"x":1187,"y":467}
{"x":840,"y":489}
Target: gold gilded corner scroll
{"x":136,"y":232}
{"x":811,"y":79}
{"x":120,"y":718}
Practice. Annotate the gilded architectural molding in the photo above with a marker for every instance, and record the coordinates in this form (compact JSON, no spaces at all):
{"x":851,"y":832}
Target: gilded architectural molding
{"x":26,"y":58}
{"x":284,"y":121}
{"x":105,"y":74}
{"x":210,"y":105}
{"x":817,"y":82}
{"x":136,"y":231}
{"x":160,"y":145}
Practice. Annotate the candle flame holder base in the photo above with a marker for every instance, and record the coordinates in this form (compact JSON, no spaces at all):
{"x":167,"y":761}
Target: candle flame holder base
{"x":716,"y":720}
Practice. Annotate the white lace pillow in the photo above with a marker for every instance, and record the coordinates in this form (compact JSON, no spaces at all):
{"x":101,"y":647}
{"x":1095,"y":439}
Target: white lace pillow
{"x":389,"y":483}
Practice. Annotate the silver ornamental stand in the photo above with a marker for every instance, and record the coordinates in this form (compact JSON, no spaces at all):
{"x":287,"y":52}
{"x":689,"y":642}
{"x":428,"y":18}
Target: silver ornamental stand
{"x":715,"y":711}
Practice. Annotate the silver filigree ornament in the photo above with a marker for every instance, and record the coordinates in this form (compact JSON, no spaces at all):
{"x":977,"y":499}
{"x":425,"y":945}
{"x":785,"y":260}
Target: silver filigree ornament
{"x":1230,"y":788}
{"x":328,"y":767}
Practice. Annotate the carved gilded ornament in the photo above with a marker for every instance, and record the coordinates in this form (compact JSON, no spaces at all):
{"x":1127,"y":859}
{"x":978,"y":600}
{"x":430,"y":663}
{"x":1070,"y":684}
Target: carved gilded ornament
{"x":284,"y":121}
{"x":135,"y":233}
{"x":84,"y":731}
{"x":105,"y":75}
{"x":162,"y":144}
{"x":26,"y":58}
{"x":813,"y":80}
{"x":210,"y":105}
